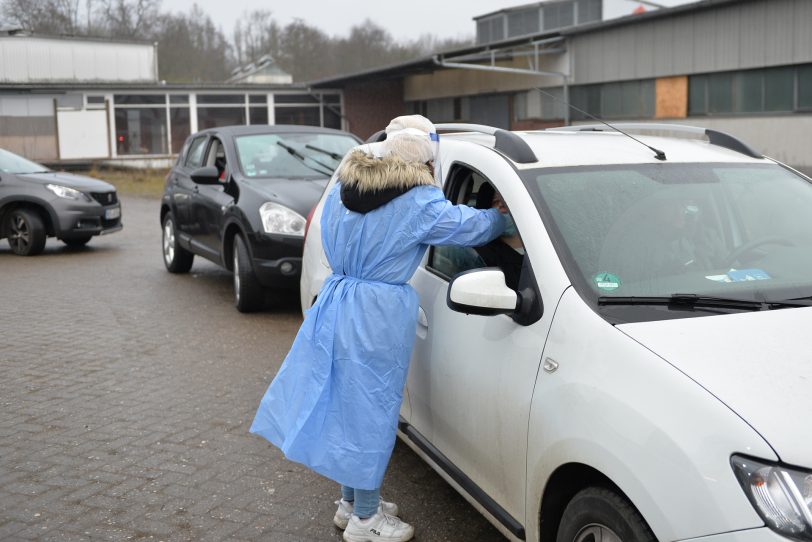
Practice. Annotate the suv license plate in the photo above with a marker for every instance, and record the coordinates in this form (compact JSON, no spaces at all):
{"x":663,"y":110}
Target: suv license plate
{"x":110,"y":214}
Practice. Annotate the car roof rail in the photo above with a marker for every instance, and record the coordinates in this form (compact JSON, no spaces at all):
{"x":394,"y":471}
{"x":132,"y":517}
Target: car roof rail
{"x":715,"y":137}
{"x":508,"y":143}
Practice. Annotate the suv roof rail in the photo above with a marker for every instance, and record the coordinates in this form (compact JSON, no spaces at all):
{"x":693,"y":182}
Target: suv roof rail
{"x":508,"y":143}
{"x":721,"y":139}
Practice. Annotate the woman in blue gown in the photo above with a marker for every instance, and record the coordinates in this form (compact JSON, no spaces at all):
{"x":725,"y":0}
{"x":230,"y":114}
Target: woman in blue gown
{"x":334,"y":404}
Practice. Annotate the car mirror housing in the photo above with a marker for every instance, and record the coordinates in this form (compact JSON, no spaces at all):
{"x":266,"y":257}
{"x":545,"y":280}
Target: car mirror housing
{"x":206,"y":175}
{"x":482,"y":292}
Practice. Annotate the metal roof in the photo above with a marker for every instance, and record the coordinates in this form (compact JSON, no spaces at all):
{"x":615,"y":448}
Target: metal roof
{"x":49,"y":88}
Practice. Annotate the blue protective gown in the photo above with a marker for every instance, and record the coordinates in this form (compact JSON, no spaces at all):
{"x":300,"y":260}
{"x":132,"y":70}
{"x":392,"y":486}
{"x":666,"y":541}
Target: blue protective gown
{"x":334,"y":404}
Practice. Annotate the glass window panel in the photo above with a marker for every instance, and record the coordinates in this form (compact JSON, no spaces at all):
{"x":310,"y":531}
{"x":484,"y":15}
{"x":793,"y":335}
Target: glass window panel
{"x":73,"y":101}
{"x":720,"y":93}
{"x":589,"y":10}
{"x":96,"y":100}
{"x":612,"y":103}
{"x":180,"y":123}
{"x":295,"y":99}
{"x":214,"y":99}
{"x":483,"y":31}
{"x":523,"y":22}
{"x":139,"y":99}
{"x":550,"y":107}
{"x":805,"y":87}
{"x":441,"y":110}
{"x":648,"y":97}
{"x":307,"y":116}
{"x":179,"y":98}
{"x":140,"y":131}
{"x":630,"y":99}
{"x":698,"y":95}
{"x":212,"y":117}
{"x":331,"y":119}
{"x":748,"y":91}
{"x":498,"y":28}
{"x":197,"y":149}
{"x":258,"y":99}
{"x":331,"y":98}
{"x":258,"y":115}
{"x":779,"y":89}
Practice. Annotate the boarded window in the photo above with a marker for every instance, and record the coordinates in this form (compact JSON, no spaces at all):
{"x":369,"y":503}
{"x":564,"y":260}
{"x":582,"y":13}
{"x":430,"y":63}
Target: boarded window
{"x":779,"y":89}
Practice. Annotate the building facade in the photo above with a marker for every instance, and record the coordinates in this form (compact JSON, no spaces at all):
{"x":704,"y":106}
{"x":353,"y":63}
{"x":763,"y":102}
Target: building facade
{"x":741,"y":66}
{"x":64,"y":100}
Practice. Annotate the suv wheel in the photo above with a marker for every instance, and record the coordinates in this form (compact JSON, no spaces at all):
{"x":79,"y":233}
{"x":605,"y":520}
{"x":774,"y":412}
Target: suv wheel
{"x":77,"y":242}
{"x":176,"y":258}
{"x":601,"y":515}
{"x":248,"y":293}
{"x":26,"y":232}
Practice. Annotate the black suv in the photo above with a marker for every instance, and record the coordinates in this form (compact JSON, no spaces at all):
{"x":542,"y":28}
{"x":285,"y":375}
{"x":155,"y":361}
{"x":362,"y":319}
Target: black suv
{"x":239,"y":196}
{"x":36,"y":203}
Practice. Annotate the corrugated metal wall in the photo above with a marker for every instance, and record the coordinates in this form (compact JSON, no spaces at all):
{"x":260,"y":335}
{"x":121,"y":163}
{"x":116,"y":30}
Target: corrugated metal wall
{"x":27,"y":59}
{"x":751,"y":34}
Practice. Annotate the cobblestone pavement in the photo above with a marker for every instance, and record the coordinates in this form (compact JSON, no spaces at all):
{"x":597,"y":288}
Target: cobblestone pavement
{"x":126,"y":394}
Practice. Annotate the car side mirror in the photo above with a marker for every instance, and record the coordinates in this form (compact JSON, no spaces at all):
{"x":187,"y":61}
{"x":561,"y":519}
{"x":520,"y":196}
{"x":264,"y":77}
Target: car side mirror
{"x":206,"y":175}
{"x":482,"y":292}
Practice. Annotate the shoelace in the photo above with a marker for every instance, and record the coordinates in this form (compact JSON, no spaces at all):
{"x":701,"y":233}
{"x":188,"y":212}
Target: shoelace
{"x":391,"y":520}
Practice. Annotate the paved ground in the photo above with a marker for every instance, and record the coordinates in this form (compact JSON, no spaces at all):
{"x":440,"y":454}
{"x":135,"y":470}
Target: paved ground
{"x":125,"y":399}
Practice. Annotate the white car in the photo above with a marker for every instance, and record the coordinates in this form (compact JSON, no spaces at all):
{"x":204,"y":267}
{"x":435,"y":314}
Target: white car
{"x":648,"y":378}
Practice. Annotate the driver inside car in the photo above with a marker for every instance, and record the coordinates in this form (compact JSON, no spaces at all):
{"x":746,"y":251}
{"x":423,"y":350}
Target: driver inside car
{"x":507,"y":251}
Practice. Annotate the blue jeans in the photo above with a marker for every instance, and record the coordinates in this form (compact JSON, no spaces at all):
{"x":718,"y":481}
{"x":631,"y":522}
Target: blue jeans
{"x":365,"y":501}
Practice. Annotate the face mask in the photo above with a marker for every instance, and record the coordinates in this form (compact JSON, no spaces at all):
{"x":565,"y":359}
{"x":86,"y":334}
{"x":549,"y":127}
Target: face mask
{"x":510,"y":226}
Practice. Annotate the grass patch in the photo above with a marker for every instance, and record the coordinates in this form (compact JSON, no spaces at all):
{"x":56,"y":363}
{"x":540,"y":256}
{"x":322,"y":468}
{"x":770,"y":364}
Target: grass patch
{"x":133,"y":182}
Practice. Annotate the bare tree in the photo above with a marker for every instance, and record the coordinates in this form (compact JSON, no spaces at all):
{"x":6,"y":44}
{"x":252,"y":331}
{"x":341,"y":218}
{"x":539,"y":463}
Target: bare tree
{"x":133,"y":19}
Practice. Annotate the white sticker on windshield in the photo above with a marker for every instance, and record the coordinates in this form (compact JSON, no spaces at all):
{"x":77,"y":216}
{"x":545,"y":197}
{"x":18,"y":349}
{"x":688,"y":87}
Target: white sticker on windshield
{"x":740,"y":275}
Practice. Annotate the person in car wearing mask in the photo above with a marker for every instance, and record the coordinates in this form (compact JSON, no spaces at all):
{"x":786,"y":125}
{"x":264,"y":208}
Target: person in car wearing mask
{"x":507,"y":251}
{"x":334,"y":404}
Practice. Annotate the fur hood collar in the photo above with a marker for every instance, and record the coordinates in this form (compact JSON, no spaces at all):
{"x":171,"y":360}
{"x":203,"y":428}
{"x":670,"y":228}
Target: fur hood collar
{"x":368,"y":182}
{"x":365,"y":173}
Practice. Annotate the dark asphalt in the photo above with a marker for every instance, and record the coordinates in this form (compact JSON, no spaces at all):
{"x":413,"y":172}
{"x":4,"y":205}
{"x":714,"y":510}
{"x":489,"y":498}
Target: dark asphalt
{"x":126,"y":394}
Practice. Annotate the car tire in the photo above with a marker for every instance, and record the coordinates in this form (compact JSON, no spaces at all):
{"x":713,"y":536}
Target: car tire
{"x":598,"y":513}
{"x":249,"y":296}
{"x":76,"y":242}
{"x":26,"y":232}
{"x":176,"y":258}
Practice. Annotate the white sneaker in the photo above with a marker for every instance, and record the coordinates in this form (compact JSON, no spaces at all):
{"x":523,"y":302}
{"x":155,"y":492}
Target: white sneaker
{"x":379,"y":528}
{"x":345,"y":509}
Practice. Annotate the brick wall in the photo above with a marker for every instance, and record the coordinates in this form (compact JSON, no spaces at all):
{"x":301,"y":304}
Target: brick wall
{"x":370,"y":106}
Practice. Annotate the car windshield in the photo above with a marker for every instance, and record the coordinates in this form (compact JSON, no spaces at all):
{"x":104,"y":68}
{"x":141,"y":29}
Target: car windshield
{"x":740,"y":231}
{"x":292,"y":155}
{"x":11,"y":163}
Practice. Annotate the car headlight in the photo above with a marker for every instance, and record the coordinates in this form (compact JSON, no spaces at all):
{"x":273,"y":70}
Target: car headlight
{"x":782,"y":496}
{"x":69,"y":193}
{"x":279,"y":219}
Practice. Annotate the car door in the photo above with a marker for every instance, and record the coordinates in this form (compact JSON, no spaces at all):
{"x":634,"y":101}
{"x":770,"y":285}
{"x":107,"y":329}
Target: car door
{"x":210,"y":202}
{"x":183,"y":190}
{"x":472,"y":377}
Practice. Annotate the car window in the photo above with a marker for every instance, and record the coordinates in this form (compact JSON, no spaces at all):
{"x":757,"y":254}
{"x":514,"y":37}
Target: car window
{"x":196,"y":151}
{"x":470,"y":188}
{"x":292,"y":155}
{"x":11,"y":163}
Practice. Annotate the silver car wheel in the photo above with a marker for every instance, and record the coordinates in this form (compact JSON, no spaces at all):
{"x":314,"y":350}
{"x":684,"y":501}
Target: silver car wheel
{"x":169,"y":242}
{"x":236,"y":274}
{"x":596,"y":533}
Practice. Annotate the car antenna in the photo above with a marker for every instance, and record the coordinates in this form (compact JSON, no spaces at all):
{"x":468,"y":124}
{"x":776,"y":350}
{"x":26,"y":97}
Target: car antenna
{"x":658,"y":154}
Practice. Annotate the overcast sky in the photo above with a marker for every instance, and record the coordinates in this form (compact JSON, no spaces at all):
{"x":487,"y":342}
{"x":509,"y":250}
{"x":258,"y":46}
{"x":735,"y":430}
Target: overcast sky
{"x":405,"y":20}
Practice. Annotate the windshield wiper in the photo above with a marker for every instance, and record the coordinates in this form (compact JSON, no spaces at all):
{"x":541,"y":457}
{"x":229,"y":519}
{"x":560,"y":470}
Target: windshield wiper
{"x":693,"y":300}
{"x":333,"y":155}
{"x":301,"y":157}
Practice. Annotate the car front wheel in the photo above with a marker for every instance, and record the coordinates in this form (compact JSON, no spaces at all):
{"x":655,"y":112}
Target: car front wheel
{"x":601,"y":515}
{"x":26,"y":232}
{"x":249,"y":295}
{"x":176,"y":258}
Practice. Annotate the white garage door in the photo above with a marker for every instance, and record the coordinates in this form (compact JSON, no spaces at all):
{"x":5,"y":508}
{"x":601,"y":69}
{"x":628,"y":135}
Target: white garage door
{"x":83,"y":134}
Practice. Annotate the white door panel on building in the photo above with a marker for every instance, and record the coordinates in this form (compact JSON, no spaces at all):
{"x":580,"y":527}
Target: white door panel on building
{"x":83,"y":134}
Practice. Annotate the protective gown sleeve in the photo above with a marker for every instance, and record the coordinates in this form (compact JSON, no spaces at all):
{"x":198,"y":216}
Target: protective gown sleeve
{"x":442,"y":223}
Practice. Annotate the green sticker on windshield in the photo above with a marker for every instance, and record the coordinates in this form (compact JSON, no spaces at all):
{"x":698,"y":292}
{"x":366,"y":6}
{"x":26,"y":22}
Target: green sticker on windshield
{"x":607,"y":282}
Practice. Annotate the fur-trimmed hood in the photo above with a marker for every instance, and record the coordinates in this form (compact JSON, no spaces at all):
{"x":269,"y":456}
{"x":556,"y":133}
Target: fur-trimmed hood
{"x":368,"y":182}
